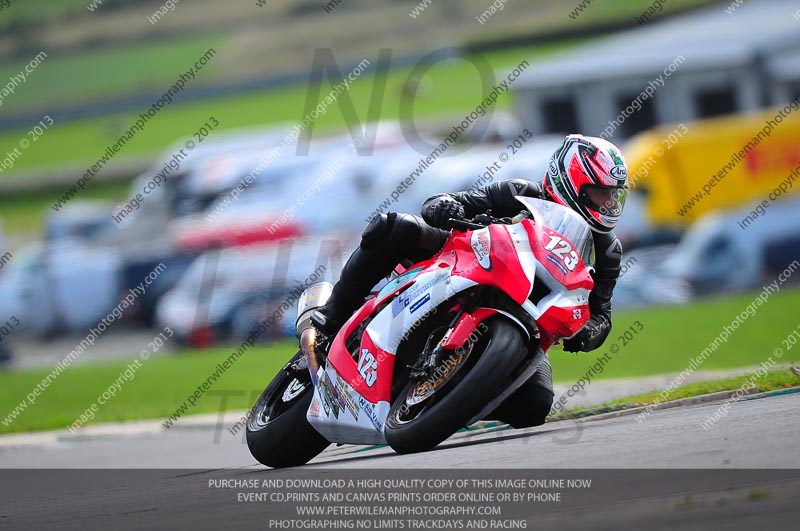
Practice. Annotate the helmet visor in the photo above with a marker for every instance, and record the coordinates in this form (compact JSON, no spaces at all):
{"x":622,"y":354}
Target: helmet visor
{"x":604,"y":199}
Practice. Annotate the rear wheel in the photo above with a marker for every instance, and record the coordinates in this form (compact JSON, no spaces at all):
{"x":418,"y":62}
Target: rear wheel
{"x":430,"y":409}
{"x":278,"y":433}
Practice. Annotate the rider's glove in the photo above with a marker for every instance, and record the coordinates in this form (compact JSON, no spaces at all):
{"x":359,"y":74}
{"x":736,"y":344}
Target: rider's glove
{"x":446,"y":209}
{"x":590,"y":337}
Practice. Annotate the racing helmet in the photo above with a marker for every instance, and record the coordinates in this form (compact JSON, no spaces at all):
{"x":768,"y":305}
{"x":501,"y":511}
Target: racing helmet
{"x":589,"y":175}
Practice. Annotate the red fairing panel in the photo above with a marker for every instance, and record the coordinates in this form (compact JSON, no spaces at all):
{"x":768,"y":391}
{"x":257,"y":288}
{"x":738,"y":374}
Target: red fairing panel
{"x":540,"y":237}
{"x":370,"y":376}
{"x":465,"y":326}
{"x":499,"y":268}
{"x":559,"y":322}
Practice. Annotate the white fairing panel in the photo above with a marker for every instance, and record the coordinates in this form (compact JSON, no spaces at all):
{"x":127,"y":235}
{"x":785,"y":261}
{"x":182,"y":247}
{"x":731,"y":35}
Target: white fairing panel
{"x":522,"y":245}
{"x":343,"y":416}
{"x":399,"y":319}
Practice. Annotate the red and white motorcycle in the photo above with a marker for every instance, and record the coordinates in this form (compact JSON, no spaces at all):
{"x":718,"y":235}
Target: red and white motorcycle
{"x":438,"y":347}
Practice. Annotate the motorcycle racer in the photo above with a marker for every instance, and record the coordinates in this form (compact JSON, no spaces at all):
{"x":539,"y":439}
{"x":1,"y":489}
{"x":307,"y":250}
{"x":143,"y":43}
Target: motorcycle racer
{"x":586,"y":174}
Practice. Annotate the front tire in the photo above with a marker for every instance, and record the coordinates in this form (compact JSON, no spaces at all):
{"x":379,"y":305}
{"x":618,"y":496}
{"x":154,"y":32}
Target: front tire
{"x":497,"y":359}
{"x":278,"y":433}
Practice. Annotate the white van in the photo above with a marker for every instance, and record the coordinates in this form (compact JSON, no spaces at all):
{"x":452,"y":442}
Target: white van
{"x":739,"y":249}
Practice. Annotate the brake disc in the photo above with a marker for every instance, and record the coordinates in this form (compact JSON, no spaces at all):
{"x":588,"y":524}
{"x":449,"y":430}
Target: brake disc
{"x":441,"y":375}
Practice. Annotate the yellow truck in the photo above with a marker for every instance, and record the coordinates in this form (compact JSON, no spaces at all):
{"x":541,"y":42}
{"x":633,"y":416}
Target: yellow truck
{"x":687,"y":170}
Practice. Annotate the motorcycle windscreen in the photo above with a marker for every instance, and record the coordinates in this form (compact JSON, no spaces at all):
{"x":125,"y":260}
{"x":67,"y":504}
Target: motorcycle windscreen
{"x":564,"y":221}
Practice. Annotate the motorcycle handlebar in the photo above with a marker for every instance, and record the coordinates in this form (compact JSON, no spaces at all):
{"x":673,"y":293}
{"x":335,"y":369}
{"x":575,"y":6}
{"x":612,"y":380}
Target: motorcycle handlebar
{"x":484,"y":220}
{"x":463,"y":225}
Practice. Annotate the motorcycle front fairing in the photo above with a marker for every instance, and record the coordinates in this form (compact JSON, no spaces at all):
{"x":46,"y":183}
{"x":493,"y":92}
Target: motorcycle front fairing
{"x":542,"y":263}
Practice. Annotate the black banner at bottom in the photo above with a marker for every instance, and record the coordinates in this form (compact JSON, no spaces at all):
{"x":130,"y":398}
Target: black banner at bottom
{"x":335,"y":499}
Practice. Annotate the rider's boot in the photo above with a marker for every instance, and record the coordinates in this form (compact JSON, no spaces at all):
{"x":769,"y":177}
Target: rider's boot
{"x":359,"y":275}
{"x":330,"y":318}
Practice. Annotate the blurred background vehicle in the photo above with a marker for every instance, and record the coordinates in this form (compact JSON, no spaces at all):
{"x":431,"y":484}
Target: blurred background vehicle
{"x":60,"y":287}
{"x":720,"y":253}
{"x":226,"y":293}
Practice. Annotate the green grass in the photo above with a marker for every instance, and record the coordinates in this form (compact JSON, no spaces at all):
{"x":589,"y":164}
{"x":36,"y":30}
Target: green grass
{"x":105,"y":73}
{"x":39,"y":10}
{"x":671,"y":337}
{"x":616,"y":10}
{"x":772,"y":381}
{"x":449,"y":88}
{"x":159,"y":387}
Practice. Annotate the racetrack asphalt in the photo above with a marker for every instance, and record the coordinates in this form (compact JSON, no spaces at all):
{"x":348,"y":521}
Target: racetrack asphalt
{"x":756,"y":434}
{"x":762,"y":433}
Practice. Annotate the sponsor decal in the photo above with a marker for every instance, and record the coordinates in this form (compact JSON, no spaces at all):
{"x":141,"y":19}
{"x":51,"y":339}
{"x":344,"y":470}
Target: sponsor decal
{"x":418,"y":289}
{"x":404,"y":299}
{"x":616,"y":156}
{"x":420,"y":303}
{"x":552,"y":168}
{"x":339,"y":399}
{"x":614,"y":250}
{"x":620,"y":173}
{"x":326,"y":391}
{"x":325,"y":404}
{"x":368,"y":367}
{"x":481,"y":241}
{"x":576,"y":314}
{"x":399,"y":304}
{"x":369,"y":411}
{"x":346,"y":397}
{"x":293,"y":390}
{"x":552,"y":259}
{"x":314,"y":410}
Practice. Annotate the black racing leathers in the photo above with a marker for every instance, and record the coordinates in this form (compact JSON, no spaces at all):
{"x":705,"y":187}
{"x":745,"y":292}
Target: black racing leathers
{"x":499,"y":198}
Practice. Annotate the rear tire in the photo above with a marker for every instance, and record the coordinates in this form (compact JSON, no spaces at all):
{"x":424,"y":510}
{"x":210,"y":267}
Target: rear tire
{"x":501,"y":356}
{"x":278,"y":433}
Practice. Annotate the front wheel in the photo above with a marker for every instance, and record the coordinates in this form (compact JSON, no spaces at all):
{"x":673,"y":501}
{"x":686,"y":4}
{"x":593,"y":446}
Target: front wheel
{"x":278,"y":433}
{"x":427,"y":411}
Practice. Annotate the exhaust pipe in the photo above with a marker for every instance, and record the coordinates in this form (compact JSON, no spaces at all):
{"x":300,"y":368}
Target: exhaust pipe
{"x":308,"y":344}
{"x":312,"y":299}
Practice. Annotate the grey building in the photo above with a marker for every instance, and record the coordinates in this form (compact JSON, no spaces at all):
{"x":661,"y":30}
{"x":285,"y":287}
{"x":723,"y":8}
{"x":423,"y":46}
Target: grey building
{"x":699,"y":65}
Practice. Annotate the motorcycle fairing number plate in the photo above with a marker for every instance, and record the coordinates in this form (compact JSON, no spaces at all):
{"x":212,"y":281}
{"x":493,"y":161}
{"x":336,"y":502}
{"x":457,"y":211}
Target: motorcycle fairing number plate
{"x":368,"y":367}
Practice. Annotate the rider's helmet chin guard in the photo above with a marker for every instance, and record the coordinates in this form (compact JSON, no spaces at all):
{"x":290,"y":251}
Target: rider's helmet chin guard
{"x":589,"y":175}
